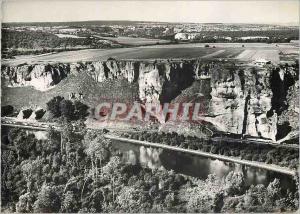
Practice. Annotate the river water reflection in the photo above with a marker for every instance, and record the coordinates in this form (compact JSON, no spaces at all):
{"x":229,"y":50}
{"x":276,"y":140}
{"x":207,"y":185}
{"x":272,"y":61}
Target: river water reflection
{"x":195,"y":166}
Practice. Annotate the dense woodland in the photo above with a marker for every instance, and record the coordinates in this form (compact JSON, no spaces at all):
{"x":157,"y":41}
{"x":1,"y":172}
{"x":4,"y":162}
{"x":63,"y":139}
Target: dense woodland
{"x":80,"y":172}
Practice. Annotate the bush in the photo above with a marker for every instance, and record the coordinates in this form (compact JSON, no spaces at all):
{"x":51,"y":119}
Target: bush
{"x":27,"y":113}
{"x":39,"y":113}
{"x":6,"y":110}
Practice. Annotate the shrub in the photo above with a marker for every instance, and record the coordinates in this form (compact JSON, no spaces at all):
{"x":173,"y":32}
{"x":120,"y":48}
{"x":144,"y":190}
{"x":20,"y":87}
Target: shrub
{"x":27,"y":113}
{"x":39,"y":113}
{"x":6,"y":110}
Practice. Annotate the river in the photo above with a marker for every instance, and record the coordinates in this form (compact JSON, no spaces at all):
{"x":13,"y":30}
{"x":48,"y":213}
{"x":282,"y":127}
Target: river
{"x":196,"y":166}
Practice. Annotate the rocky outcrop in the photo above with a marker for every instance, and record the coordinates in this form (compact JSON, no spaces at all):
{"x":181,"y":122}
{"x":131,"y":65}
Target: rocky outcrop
{"x":42,"y":77}
{"x":257,"y":88}
{"x":158,"y":81}
{"x":239,"y":99}
{"x":227,"y":98}
{"x":163,"y":81}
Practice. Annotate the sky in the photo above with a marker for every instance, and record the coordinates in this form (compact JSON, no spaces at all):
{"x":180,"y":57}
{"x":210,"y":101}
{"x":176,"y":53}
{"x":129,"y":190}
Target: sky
{"x":270,"y":11}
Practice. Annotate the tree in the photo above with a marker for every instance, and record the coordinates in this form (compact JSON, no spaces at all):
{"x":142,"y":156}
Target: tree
{"x":24,"y":204}
{"x":53,"y":143}
{"x":96,"y":147}
{"x":273,"y":193}
{"x":67,"y":109}
{"x":204,"y":197}
{"x":47,"y":201}
{"x":53,"y":106}
{"x":170,"y":200}
{"x":6,"y":110}
{"x":234,"y":183}
{"x":111,"y":170}
{"x":39,"y":113}
{"x":32,"y":171}
{"x":129,"y":200}
{"x":23,"y":143}
{"x":27,"y":113}
{"x":97,"y":200}
{"x":70,"y":203}
{"x":81,"y":110}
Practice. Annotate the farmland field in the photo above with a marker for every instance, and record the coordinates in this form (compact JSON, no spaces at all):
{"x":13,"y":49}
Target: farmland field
{"x":249,"y":52}
{"x":229,"y":53}
{"x":134,"y":41}
{"x":248,"y":55}
{"x":68,"y":36}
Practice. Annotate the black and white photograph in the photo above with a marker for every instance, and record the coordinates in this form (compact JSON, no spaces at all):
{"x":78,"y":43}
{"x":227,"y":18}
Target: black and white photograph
{"x":151,"y":106}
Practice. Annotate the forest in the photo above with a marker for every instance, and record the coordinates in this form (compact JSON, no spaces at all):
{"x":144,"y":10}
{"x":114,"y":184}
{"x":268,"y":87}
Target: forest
{"x":80,"y":172}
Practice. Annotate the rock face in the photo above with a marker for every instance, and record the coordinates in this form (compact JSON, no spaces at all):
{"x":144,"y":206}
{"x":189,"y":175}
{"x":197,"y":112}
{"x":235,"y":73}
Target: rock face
{"x":42,"y":77}
{"x":258,"y":104}
{"x":238,"y":99}
{"x":227,"y":98}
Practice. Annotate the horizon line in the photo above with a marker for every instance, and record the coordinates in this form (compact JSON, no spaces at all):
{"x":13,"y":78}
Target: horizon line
{"x":173,"y":22}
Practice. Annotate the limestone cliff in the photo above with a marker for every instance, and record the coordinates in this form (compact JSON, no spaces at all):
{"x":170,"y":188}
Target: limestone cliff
{"x":227,"y":98}
{"x":40,"y":76}
{"x":237,"y":99}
